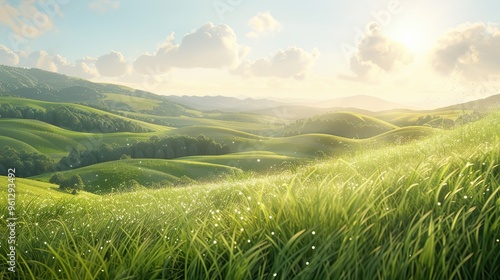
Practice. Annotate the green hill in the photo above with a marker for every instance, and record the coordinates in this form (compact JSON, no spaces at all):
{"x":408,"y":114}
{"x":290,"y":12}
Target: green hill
{"x":250,"y":161}
{"x":57,"y":142}
{"x":48,"y":86}
{"x":72,"y":116}
{"x":39,"y":192}
{"x":250,"y":124}
{"x":435,"y":118}
{"x":344,"y":124}
{"x":404,"y":134}
{"x":218,"y":133}
{"x":116,"y":175}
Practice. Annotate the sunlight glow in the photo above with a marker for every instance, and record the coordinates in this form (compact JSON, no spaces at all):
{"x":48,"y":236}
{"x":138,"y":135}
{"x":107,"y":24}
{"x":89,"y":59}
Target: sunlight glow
{"x":413,"y":39}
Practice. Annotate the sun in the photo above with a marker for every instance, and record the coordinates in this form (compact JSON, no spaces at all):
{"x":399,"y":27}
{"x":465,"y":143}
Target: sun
{"x":410,"y":37}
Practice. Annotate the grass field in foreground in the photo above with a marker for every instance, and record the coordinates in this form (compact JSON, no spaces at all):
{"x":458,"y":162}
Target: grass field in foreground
{"x":426,"y":210}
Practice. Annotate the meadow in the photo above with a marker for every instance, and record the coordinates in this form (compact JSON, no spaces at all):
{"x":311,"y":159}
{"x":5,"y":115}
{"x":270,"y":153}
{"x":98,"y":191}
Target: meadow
{"x":424,"y":209}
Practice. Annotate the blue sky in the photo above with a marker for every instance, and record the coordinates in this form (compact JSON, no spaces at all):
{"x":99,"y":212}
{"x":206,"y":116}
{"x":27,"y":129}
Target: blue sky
{"x":285,"y":49}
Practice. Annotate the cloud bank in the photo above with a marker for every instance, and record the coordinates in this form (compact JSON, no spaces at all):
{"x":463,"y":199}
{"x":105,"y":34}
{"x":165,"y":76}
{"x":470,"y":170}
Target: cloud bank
{"x":470,"y":51}
{"x":211,"y":46}
{"x":293,"y":62}
{"x":376,"y":54}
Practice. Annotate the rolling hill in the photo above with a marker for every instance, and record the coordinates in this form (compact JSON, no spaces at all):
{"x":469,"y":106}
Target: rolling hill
{"x":35,"y":109}
{"x":118,"y":175}
{"x":48,"y":86}
{"x":56,"y":142}
{"x":344,"y":124}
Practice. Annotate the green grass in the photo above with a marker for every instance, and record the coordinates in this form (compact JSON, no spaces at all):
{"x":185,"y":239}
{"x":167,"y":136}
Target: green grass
{"x":407,"y":117}
{"x":244,"y":124}
{"x":426,"y":210}
{"x":57,"y":142}
{"x":37,"y":192}
{"x":354,"y":117}
{"x":344,"y":124}
{"x":108,"y":176}
{"x":16,"y":144}
{"x":135,"y":103}
{"x":44,"y":105}
{"x":267,"y":162}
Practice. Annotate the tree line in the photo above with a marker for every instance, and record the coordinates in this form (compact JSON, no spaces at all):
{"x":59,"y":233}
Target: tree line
{"x":71,"y":118}
{"x":26,"y":163}
{"x":169,"y":147}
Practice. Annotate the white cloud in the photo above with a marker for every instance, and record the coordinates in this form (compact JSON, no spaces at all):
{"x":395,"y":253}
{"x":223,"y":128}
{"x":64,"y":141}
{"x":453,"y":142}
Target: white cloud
{"x":41,"y":60}
{"x":104,"y":5}
{"x":8,"y":57}
{"x":113,"y":64}
{"x":292,"y":62}
{"x":470,"y":51}
{"x":263,"y":24}
{"x":84,"y":68}
{"x":211,"y":46}
{"x":375,"y":55}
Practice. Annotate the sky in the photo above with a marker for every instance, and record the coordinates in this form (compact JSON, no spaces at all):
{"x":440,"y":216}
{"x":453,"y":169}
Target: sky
{"x":416,"y":52}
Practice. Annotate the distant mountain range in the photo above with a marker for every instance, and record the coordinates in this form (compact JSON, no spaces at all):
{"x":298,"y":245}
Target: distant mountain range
{"x":48,"y":86}
{"x":233,"y":104}
{"x":224,"y":103}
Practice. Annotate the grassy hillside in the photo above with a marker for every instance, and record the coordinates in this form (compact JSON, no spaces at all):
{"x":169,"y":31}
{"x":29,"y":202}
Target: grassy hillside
{"x":250,"y":161}
{"x":426,"y":210}
{"x":44,"y":106}
{"x":40,"y":192}
{"x":409,"y":117}
{"x":252,"y":124}
{"x":132,"y":102}
{"x":116,"y":175}
{"x":57,"y":142}
{"x":344,"y":124}
{"x":48,"y":86}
